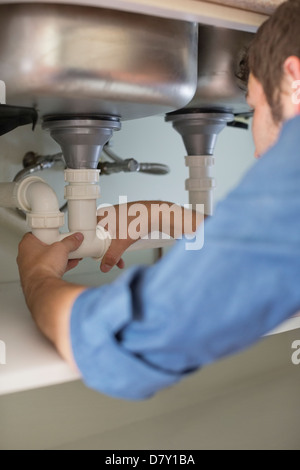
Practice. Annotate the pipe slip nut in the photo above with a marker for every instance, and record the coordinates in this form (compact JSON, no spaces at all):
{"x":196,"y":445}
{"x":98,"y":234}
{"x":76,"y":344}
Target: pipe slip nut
{"x":201,"y":184}
{"x":84,"y":191}
{"x":199,"y":160}
{"x":88,"y":176}
{"x":54,"y":220}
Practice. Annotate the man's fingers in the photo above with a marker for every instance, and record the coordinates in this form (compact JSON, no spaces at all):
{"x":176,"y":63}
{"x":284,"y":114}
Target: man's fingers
{"x":113,"y":254}
{"x":72,"y":242}
{"x":121,"y":264}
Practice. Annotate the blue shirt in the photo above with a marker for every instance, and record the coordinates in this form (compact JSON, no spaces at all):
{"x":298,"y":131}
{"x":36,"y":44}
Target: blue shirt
{"x":154,"y":325}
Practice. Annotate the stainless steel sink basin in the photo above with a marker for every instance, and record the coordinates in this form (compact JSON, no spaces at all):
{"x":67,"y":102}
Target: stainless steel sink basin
{"x":68,"y":59}
{"x":219,"y":55}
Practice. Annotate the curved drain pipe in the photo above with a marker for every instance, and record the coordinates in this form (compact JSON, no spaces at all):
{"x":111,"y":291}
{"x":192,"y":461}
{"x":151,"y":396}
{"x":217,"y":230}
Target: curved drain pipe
{"x":35,"y":197}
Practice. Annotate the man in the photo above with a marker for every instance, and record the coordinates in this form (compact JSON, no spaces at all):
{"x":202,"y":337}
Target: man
{"x":153,"y":326}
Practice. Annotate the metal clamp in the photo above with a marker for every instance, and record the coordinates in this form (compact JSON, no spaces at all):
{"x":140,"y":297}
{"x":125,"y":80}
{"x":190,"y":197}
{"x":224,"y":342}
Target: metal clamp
{"x":129,"y":165}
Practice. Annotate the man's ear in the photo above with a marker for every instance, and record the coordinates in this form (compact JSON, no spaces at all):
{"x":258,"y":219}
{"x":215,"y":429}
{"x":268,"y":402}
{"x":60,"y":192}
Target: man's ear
{"x":291,"y":69}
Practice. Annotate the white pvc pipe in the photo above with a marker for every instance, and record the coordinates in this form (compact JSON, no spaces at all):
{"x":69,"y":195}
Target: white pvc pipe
{"x":200,"y":183}
{"x":82,"y":193}
{"x":40,"y":202}
{"x":46,"y":235}
{"x":81,"y":215}
{"x":34,"y":196}
{"x":40,"y":198}
{"x":92,"y":246}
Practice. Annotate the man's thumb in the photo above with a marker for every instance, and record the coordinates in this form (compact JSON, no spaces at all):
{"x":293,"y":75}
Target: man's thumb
{"x":72,"y":242}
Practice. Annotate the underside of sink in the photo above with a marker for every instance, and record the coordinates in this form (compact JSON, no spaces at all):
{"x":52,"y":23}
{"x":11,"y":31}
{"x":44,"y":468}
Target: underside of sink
{"x":77,"y":60}
{"x":219,"y":87}
{"x":84,"y":61}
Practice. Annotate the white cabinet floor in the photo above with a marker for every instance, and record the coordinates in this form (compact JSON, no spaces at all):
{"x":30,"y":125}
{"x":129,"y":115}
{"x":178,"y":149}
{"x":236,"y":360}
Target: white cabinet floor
{"x":248,"y":401}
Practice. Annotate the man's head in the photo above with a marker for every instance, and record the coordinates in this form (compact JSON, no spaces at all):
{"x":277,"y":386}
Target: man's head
{"x":273,"y":65}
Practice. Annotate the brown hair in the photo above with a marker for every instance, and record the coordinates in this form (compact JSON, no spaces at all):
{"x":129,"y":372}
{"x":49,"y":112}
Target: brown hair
{"x":277,"y":39}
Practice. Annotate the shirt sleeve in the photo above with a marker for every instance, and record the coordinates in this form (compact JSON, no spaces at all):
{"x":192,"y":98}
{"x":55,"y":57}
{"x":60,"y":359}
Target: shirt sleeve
{"x":154,"y":325}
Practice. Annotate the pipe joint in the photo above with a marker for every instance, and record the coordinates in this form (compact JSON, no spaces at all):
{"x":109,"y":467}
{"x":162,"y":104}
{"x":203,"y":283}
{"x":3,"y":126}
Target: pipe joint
{"x":83,"y":184}
{"x":49,"y":220}
{"x":34,"y":196}
{"x":201,"y":183}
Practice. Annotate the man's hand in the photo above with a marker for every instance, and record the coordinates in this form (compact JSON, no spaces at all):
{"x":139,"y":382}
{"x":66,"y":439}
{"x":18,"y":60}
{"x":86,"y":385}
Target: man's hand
{"x":48,"y":297}
{"x":36,"y":259}
{"x":108,"y":217}
{"x":145,"y":217}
